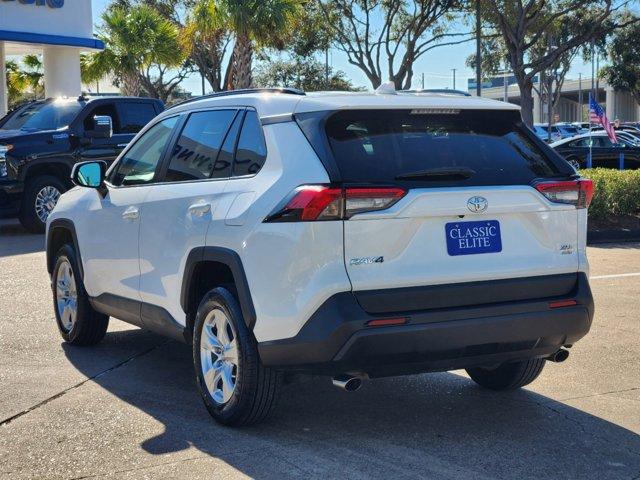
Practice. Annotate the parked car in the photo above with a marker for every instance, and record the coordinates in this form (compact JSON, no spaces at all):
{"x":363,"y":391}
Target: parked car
{"x":566,"y":130}
{"x":542,"y":131}
{"x":346,"y":234}
{"x":41,"y":141}
{"x":604,"y":153}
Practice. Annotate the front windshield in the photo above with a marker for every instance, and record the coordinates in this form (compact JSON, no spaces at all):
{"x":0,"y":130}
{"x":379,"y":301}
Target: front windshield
{"x":43,"y":116}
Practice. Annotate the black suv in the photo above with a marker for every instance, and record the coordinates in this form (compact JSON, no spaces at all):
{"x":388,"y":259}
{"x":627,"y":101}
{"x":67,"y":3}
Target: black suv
{"x":41,"y":141}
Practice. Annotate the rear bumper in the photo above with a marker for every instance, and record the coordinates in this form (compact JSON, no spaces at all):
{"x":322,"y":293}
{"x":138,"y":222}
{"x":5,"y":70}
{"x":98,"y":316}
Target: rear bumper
{"x":10,"y":192}
{"x":337,"y":340}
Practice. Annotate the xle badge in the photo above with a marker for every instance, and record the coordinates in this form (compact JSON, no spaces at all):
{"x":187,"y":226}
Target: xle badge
{"x":365,"y":260}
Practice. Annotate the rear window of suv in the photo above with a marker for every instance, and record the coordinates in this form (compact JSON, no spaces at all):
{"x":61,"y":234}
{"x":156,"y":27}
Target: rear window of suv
{"x":454,"y":147}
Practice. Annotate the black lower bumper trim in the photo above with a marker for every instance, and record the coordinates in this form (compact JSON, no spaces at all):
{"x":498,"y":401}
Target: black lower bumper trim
{"x":336,"y":339}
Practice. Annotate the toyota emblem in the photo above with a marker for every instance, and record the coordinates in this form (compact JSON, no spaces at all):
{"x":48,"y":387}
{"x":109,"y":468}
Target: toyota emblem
{"x":477,"y":204}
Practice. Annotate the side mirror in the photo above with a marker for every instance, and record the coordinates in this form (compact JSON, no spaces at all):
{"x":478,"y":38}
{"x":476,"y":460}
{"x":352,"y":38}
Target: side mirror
{"x":102,"y":127}
{"x":89,"y":174}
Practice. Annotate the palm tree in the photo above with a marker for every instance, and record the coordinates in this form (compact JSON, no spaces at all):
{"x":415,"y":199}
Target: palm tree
{"x":205,"y":37}
{"x":254,"y":22}
{"x":135,"y":38}
{"x":24,"y":79}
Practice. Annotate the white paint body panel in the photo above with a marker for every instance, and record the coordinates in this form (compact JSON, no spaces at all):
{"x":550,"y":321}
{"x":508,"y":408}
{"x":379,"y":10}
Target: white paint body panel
{"x":108,"y":242}
{"x":411,"y":238}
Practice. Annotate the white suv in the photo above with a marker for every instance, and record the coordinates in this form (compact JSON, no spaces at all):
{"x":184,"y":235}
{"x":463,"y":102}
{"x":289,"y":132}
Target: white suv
{"x":347,"y":234}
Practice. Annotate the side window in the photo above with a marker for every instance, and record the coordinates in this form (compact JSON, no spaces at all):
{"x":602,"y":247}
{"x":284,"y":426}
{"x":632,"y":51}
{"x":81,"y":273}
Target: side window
{"x":134,"y":116}
{"x":109,"y":110}
{"x":252,"y":151}
{"x":138,"y":165}
{"x":194,"y":156}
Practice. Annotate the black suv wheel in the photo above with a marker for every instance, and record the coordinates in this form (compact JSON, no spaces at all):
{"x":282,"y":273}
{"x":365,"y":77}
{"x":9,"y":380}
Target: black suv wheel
{"x":40,"y":196}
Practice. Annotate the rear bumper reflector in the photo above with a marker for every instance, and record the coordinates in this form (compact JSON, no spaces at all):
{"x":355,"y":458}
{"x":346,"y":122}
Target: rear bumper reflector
{"x":562,"y":303}
{"x":383,"y":322}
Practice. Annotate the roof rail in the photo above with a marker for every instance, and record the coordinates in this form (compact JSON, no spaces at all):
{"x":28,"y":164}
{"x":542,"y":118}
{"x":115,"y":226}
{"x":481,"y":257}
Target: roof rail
{"x":438,"y":90}
{"x":227,"y":93}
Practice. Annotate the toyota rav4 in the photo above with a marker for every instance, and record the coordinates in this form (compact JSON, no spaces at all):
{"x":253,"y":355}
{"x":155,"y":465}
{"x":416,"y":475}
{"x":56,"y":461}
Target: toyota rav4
{"x":346,"y":234}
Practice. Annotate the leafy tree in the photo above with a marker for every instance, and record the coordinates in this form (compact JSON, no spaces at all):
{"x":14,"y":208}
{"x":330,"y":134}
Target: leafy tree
{"x":206,"y":38}
{"x":137,"y":41}
{"x":24,"y":79}
{"x":384,"y":38}
{"x":300,"y":72}
{"x":537,"y":34}
{"x":254,"y":22}
{"x":624,"y":71}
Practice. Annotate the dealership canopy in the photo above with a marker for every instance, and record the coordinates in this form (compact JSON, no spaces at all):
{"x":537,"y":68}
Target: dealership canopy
{"x":57,"y":29}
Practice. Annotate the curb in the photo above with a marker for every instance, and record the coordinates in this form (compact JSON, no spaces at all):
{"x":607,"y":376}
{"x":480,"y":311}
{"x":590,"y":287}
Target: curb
{"x":611,"y":236}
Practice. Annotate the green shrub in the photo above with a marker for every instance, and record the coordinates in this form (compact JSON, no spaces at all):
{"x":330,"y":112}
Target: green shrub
{"x":616,"y":192}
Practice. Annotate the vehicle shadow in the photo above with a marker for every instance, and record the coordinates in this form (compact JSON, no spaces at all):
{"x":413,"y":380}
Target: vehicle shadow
{"x":15,"y":240}
{"x":433,"y":426}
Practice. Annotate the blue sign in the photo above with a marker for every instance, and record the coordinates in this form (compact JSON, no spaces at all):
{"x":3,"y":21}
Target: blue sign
{"x":468,"y":238}
{"x":49,"y":3}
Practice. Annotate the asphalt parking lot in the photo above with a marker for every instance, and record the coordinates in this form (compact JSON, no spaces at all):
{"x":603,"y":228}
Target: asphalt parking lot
{"x":128,"y":408}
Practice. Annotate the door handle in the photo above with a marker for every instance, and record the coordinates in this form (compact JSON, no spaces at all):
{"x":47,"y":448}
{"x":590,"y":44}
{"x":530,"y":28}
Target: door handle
{"x":200,"y":209}
{"x":122,"y":145}
{"x":131,"y":213}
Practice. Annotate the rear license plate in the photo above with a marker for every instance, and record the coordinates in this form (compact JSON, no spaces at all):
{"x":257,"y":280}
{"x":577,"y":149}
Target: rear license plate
{"x":468,"y":238}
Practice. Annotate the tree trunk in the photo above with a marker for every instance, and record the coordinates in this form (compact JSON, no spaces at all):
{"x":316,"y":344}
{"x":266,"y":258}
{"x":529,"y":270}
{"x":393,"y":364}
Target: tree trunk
{"x":526,"y":100}
{"x":243,"y":56}
{"x":131,"y":84}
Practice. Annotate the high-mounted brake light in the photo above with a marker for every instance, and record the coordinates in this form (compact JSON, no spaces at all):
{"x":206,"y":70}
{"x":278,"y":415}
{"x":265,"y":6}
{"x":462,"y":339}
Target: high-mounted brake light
{"x":574,"y":192}
{"x":319,"y":202}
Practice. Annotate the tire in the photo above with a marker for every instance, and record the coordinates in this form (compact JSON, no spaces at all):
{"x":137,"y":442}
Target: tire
{"x":239,"y":393}
{"x":45,"y":190}
{"x":508,"y":376}
{"x":88,"y":327}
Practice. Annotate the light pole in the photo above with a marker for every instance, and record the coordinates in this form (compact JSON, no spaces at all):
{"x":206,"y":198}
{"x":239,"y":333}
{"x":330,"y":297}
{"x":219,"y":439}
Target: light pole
{"x":580,"y":99}
{"x":478,"y":50}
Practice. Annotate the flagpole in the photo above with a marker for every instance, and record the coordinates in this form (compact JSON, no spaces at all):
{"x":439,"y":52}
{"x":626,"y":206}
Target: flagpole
{"x":590,"y":159}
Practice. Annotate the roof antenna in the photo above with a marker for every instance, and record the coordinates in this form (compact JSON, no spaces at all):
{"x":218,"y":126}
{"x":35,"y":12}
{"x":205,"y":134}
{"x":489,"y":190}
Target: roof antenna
{"x":386,"y":88}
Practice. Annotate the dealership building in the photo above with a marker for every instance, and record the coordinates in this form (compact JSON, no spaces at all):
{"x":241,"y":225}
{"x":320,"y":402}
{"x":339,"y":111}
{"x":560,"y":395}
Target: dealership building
{"x":59,"y":30}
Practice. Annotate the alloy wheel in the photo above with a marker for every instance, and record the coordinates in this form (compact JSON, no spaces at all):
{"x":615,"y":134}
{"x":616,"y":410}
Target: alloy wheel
{"x":46,"y":200}
{"x":66,"y":295}
{"x":219,"y":356}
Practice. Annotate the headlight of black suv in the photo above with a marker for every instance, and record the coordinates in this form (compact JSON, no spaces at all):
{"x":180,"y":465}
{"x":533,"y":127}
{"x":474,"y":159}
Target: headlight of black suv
{"x":3,"y":159}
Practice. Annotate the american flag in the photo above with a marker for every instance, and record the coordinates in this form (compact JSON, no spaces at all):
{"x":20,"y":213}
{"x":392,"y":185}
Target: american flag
{"x":597,"y":115}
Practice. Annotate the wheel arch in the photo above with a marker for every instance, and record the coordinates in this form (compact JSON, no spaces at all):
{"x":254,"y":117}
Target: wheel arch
{"x":61,"y":231}
{"x":210,"y":267}
{"x":54,"y":167}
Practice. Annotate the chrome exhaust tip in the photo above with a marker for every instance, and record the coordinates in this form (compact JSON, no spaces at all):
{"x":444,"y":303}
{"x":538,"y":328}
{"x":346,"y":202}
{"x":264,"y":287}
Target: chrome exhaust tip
{"x":347,"y":383}
{"x":559,"y":356}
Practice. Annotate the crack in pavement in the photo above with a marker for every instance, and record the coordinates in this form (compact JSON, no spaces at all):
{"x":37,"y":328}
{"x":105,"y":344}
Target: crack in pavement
{"x":10,"y":419}
{"x":599,"y":394}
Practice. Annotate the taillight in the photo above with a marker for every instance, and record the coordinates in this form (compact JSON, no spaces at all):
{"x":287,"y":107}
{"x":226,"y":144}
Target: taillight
{"x":573,"y":192}
{"x":319,"y":202}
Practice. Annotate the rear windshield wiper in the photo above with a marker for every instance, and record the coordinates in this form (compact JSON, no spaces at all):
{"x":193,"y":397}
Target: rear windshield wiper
{"x":438,"y":174}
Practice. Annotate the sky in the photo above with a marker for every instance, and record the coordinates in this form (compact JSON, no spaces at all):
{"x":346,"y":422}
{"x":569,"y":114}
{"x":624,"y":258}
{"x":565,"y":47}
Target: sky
{"x":436,"y":65}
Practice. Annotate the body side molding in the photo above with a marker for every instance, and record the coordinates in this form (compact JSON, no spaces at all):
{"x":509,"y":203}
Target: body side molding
{"x":232,"y":260}
{"x":66,"y":224}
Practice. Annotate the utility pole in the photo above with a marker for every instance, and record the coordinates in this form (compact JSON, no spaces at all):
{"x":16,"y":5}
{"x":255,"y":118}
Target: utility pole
{"x":580,"y":99}
{"x":454,"y":77}
{"x":422,"y":80}
{"x":505,"y":80}
{"x":202,"y":78}
{"x":478,"y":50}
{"x":326,"y":67}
